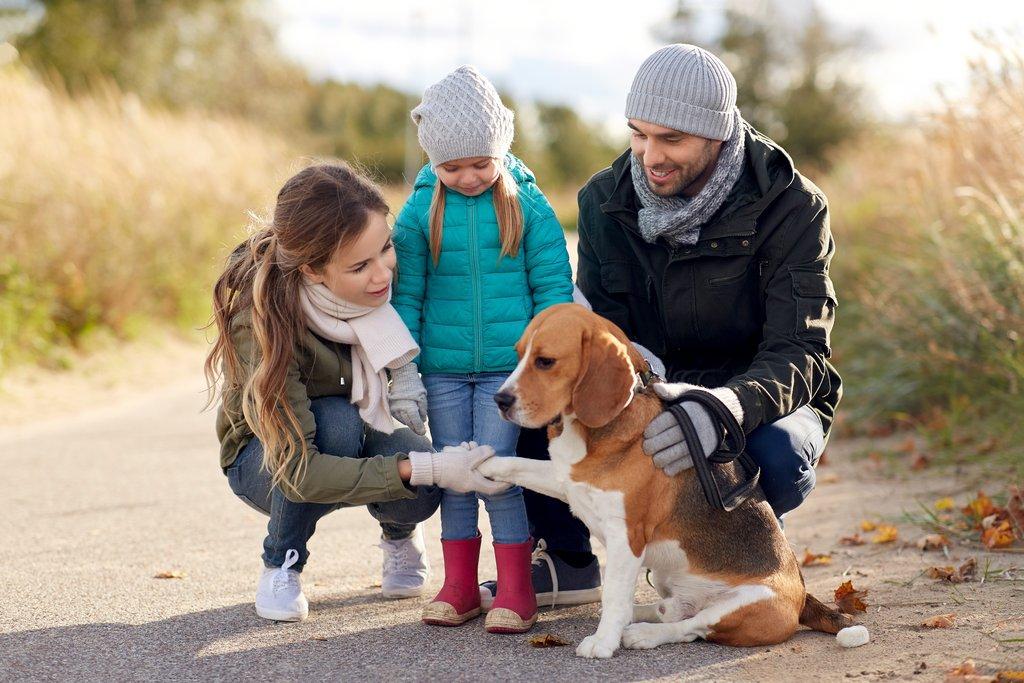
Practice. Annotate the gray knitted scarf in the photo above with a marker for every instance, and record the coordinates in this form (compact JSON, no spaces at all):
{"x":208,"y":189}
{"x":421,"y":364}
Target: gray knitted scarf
{"x":677,"y":218}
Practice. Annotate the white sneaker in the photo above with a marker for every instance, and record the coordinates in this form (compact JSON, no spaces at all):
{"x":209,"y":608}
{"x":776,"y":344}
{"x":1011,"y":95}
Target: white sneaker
{"x":279,"y":592}
{"x":405,"y":566}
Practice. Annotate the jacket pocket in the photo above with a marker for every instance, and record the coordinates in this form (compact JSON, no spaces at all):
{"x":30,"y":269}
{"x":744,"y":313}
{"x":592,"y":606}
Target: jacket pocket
{"x":815,"y":299}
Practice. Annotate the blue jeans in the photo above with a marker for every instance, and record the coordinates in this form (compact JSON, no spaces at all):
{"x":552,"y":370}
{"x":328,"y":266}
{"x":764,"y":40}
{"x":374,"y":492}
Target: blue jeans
{"x":339,"y":432}
{"x":462,"y":408}
{"x":786,"y":450}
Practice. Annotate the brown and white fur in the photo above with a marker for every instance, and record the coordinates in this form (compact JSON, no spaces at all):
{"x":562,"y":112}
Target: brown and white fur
{"x":729,"y":578}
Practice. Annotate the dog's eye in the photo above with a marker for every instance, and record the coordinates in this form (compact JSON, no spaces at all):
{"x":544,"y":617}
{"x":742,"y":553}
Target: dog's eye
{"x":542,"y":363}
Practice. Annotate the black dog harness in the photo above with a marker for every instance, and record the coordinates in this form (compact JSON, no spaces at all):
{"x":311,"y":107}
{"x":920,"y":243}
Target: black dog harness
{"x":732,"y":447}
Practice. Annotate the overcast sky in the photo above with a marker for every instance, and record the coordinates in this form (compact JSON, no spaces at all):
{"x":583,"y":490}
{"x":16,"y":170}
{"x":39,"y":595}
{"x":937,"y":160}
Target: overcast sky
{"x":584,"y":52}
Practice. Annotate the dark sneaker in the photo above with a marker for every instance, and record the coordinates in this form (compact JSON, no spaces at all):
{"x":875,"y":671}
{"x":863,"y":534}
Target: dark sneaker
{"x":554,"y":581}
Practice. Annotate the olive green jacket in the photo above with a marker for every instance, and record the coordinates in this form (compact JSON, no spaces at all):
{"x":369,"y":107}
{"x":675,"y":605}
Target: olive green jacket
{"x":319,"y":368}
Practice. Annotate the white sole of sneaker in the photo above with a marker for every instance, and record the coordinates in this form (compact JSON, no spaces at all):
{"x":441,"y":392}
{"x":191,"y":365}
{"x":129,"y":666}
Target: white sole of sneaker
{"x":275,"y":615}
{"x":399,"y":593}
{"x":565,"y":598}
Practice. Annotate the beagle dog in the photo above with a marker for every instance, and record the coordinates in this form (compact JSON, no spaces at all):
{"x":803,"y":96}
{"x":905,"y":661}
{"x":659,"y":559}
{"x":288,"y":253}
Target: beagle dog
{"x":727,"y":577}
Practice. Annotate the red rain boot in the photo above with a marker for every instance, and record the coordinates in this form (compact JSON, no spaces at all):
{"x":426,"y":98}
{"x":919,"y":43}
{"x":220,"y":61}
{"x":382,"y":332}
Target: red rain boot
{"x":515,"y":606}
{"x":459,"y":599}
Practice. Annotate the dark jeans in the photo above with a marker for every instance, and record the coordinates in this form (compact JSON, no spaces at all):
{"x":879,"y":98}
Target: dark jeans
{"x":340,"y":432}
{"x":786,"y":450}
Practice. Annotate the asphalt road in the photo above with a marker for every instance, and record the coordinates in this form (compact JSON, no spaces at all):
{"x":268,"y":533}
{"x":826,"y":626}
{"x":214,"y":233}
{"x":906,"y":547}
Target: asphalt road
{"x":98,"y":503}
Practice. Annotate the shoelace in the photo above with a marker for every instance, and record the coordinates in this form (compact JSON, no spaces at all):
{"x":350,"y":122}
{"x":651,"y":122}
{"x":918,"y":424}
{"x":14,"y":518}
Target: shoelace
{"x":285,"y":579}
{"x":395,"y":560}
{"x":538,"y":555}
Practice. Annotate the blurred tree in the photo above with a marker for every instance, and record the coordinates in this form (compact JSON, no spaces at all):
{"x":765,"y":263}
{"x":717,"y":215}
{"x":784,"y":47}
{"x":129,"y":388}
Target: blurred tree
{"x":575,"y":149}
{"x":219,"y":55}
{"x":789,"y":78}
{"x":360,"y":123}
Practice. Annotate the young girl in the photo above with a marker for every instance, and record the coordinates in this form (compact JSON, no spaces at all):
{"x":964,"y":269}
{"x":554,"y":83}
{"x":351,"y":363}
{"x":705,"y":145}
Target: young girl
{"x":304,"y":334}
{"x":480,"y":253}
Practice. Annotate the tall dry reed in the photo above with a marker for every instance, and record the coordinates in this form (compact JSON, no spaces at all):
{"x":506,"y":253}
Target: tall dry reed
{"x":113,"y":215}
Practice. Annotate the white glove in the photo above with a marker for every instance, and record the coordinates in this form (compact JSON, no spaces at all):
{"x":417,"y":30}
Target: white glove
{"x":407,"y":399}
{"x":454,"y":469}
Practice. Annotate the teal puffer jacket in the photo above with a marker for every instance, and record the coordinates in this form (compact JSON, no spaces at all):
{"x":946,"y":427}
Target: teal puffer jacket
{"x":468,"y":312}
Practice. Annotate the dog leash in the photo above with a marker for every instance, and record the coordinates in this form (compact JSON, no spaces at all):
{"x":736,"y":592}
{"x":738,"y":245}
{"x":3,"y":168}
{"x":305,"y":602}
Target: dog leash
{"x":732,"y":448}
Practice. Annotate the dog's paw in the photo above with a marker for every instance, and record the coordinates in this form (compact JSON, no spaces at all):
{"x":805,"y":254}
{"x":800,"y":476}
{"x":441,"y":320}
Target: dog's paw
{"x":493,"y":468}
{"x":593,"y":647}
{"x":642,"y":636}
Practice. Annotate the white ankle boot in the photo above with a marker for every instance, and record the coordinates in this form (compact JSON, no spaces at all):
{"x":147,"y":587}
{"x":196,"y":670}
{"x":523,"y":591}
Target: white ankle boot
{"x":279,"y":592}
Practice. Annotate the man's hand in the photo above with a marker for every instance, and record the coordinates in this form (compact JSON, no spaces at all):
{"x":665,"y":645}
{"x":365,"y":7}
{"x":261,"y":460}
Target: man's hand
{"x":663,"y":438}
{"x":454,"y":468}
{"x":407,"y":398}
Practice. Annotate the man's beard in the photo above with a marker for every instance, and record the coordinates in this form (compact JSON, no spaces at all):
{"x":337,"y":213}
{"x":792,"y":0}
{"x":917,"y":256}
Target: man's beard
{"x":686,"y":174}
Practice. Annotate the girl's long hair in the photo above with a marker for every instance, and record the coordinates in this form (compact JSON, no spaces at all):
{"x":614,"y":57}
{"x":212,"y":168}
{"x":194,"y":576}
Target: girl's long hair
{"x":506,"y":208}
{"x":319,"y":210}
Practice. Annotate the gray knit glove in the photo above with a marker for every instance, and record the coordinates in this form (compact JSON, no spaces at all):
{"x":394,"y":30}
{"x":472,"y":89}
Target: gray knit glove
{"x":407,"y":398}
{"x":663,"y":438}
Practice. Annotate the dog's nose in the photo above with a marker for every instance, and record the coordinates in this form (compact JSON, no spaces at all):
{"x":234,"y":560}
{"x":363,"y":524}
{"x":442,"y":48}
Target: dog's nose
{"x":504,"y":399}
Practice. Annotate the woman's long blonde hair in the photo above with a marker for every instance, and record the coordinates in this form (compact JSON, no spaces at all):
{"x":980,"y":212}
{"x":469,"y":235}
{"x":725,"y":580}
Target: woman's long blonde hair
{"x":506,"y":208}
{"x":319,"y":210}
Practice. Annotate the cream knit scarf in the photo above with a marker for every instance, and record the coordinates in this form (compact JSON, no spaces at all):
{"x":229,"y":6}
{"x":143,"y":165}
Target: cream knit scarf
{"x":379,"y":340}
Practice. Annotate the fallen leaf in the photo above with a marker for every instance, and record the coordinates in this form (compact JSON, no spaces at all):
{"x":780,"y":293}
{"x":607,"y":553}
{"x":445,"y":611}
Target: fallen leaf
{"x":813,"y":559}
{"x":944,"y":504}
{"x":851,"y":540}
{"x":999,"y":536}
{"x":967,"y":673}
{"x":173,"y":574}
{"x":959,"y":575}
{"x":867,"y":525}
{"x":939,"y":621}
{"x":920,"y":461}
{"x":933,"y":542}
{"x":887,"y":533}
{"x":850,"y":600}
{"x":981,"y":507}
{"x":1008,"y":676}
{"x":547,"y":640}
{"x":908,"y":445}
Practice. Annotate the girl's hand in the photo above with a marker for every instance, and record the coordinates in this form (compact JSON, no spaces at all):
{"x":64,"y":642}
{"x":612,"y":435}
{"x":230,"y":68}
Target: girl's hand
{"x":407,"y":399}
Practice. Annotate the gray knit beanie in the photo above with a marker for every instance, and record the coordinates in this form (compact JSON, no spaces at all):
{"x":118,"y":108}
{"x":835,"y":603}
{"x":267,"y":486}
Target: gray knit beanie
{"x":685,"y":88}
{"x":462,"y":116}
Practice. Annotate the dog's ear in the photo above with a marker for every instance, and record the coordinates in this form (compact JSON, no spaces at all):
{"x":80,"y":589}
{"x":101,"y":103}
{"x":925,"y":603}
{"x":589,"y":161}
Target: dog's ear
{"x":606,"y":379}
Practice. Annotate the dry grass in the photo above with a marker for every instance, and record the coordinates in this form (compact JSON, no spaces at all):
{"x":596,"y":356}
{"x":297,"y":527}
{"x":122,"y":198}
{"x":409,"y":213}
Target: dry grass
{"x":931,"y":224}
{"x":113,"y":216}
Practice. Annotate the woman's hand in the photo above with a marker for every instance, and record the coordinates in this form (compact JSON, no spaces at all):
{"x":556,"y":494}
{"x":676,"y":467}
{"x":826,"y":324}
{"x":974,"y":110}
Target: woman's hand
{"x":454,"y":469}
{"x":407,"y":399}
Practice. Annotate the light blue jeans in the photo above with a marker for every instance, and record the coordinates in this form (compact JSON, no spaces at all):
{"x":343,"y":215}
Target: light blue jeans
{"x":460,"y":408}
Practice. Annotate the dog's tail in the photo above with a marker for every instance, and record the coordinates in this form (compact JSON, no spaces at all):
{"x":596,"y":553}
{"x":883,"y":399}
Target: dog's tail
{"x":820,"y":617}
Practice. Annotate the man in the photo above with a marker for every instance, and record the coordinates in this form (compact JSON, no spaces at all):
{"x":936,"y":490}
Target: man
{"x":707,"y":247}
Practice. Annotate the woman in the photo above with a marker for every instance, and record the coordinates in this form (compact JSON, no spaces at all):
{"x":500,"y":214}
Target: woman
{"x":305,"y":338}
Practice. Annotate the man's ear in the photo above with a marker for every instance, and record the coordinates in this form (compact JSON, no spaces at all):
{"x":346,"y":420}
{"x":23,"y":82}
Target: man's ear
{"x":311,"y":275}
{"x":606,"y":379}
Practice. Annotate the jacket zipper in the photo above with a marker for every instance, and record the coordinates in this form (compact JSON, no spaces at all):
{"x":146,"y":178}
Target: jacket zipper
{"x":474,"y":272}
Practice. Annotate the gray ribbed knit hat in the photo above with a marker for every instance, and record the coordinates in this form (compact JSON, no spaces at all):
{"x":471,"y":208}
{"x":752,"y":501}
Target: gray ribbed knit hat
{"x":685,"y":88}
{"x":462,"y":116}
